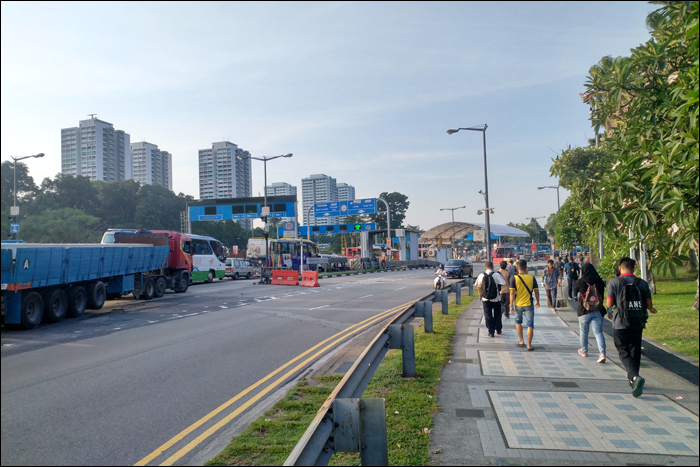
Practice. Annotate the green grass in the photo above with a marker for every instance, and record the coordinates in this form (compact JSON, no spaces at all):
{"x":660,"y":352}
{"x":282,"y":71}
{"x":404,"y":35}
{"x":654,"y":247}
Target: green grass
{"x":270,"y":439}
{"x":676,"y":323}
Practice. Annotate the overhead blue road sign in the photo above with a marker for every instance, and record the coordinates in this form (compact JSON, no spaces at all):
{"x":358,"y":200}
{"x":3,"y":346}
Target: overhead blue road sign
{"x":240,"y":208}
{"x":361,"y":206}
{"x":332,"y":229}
{"x":14,"y":228}
{"x":346,"y":208}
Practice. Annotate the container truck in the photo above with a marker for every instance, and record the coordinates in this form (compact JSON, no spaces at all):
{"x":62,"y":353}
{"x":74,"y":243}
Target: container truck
{"x":52,"y":281}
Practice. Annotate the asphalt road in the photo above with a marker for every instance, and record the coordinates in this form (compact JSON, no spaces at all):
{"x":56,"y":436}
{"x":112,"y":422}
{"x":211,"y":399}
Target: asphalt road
{"x":112,"y":387}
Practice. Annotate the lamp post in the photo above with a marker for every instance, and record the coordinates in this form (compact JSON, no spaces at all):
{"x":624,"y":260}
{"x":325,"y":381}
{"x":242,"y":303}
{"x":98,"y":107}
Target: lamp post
{"x":535,"y":219}
{"x":267,"y":234}
{"x":14,"y":183}
{"x":453,"y":225}
{"x":557,"y":188}
{"x":482,"y":129}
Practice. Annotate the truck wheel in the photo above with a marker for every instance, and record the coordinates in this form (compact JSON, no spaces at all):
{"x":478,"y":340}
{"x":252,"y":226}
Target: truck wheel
{"x":149,"y":289}
{"x":247,"y":276}
{"x":97,"y":294}
{"x":77,"y":301}
{"x":235,"y":277}
{"x":161,"y":285}
{"x":183,"y":282}
{"x":32,"y":310}
{"x":55,"y":305}
{"x":210,"y":277}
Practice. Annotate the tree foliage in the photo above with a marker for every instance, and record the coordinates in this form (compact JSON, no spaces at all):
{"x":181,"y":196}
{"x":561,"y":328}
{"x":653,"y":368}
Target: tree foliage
{"x":398,"y":205}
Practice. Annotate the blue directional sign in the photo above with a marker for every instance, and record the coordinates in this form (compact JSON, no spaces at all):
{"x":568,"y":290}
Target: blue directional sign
{"x":346,"y":208}
{"x":332,"y":229}
{"x":14,"y":228}
{"x":241,"y":208}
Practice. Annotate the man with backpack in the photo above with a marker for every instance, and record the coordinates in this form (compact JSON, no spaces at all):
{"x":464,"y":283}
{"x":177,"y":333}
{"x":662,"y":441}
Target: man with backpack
{"x":572,"y":269}
{"x":632,"y":299}
{"x":522,"y":286}
{"x":488,"y":284}
{"x":591,"y":309}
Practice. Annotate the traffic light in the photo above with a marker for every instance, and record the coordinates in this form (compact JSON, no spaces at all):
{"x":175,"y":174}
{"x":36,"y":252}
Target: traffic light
{"x":357,"y":227}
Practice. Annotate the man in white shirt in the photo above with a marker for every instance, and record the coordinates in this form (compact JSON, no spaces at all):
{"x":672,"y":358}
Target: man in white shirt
{"x":488,"y":284}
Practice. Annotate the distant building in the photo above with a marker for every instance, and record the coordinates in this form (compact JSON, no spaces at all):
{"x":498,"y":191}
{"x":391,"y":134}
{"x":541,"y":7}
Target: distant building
{"x":345,"y":193}
{"x":319,"y":188}
{"x":151,"y":166}
{"x":94,"y":149}
{"x":282,"y":189}
{"x":225,"y":172}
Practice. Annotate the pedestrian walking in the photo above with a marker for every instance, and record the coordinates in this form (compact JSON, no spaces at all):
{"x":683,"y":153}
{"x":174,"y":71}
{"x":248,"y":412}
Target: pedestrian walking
{"x":505,"y":290}
{"x":522,"y":286}
{"x":560,"y":266}
{"x":591,"y":309}
{"x":632,"y":299}
{"x":487,"y":284}
{"x":512,"y":270}
{"x":572,"y":270}
{"x":551,"y":280}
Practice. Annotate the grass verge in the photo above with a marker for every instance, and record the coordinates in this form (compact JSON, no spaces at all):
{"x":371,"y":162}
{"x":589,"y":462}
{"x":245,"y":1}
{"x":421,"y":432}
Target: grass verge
{"x":676,"y":323}
{"x":410,"y":406}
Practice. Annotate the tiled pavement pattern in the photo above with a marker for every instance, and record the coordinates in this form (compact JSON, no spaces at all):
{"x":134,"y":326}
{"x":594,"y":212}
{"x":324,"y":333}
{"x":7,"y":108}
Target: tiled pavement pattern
{"x":540,"y":321}
{"x":595,"y":422}
{"x":540,"y":337}
{"x":546,"y":365}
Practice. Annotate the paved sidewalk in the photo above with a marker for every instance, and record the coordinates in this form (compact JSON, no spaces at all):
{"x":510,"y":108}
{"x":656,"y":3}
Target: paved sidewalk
{"x":503,"y":405}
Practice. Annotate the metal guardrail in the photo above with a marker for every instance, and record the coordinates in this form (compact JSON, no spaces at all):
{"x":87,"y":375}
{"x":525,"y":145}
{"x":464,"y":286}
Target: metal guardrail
{"x":347,"y":423}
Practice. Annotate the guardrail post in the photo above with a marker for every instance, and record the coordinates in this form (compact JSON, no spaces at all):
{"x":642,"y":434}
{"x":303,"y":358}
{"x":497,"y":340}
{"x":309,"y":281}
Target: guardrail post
{"x":457,"y":289}
{"x":373,"y":447}
{"x":401,"y":337}
{"x":420,"y":313}
{"x":441,"y":296}
{"x":428,"y":316}
{"x":469,"y":282}
{"x":360,"y":426}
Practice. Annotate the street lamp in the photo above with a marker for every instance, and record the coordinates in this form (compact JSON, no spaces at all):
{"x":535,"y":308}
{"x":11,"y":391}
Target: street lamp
{"x":453,"y":225}
{"x":557,"y":188}
{"x":14,"y":185}
{"x":265,"y":159}
{"x":535,"y":219}
{"x":482,"y":129}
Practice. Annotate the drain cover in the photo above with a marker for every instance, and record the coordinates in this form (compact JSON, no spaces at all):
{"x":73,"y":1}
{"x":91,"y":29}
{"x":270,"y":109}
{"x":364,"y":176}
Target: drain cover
{"x":564,"y":384}
{"x":469,"y":413}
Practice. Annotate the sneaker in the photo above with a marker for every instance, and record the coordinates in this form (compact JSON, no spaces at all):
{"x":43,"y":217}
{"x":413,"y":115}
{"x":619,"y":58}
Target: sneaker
{"x":499,"y":332}
{"x":490,"y":335}
{"x":582,"y":353}
{"x":637,"y":386}
{"x":601,"y":359}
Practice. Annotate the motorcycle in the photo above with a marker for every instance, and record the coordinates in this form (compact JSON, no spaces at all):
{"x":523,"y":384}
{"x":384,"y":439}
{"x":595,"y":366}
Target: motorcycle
{"x":440,"y":280}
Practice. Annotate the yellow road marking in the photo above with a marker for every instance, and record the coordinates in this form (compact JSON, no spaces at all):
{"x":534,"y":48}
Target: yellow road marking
{"x":340,"y":335}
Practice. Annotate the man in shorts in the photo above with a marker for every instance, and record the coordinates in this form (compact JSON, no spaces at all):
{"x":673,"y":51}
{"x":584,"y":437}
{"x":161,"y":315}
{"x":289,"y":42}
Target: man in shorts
{"x":522,"y":286}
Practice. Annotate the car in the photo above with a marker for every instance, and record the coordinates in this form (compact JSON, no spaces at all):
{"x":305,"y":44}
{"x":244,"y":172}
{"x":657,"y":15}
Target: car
{"x":459,"y":268}
{"x":237,"y":268}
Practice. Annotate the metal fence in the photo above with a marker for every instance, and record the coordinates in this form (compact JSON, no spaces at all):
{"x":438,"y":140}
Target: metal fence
{"x":347,"y":423}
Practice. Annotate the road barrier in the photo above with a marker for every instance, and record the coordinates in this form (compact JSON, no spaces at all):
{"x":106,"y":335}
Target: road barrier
{"x":347,"y":423}
{"x":309,"y":279}
{"x":285,"y":277}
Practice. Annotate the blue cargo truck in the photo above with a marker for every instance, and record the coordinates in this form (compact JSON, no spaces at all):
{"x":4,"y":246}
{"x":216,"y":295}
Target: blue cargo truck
{"x":52,"y":281}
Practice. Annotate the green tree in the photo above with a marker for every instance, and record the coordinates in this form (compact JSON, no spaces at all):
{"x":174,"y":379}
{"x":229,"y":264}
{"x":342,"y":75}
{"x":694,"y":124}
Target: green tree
{"x":65,"y":225}
{"x":648,"y":105}
{"x":551,"y":224}
{"x":26,"y":188}
{"x":118,"y":201}
{"x":158,"y":209}
{"x":571,"y":229}
{"x":398,"y":205}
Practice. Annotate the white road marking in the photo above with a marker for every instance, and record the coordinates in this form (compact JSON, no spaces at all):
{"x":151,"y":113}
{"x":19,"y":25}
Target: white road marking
{"x":402,"y":288}
{"x":323,"y":306}
{"x":151,"y":322}
{"x":192,"y":314}
{"x":221,"y":306}
{"x":115,"y":329}
{"x":365,"y":296}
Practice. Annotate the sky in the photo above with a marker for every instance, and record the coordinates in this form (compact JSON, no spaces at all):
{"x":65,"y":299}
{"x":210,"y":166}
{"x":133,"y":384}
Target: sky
{"x":362,"y":92}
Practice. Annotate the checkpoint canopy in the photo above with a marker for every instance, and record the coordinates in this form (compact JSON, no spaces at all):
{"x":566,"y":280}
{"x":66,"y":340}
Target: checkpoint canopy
{"x":218,"y":209}
{"x":498,"y":231}
{"x":464,"y":231}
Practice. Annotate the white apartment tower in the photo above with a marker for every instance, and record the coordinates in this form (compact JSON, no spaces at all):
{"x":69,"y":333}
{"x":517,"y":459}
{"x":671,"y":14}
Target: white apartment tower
{"x":281,"y":189}
{"x":319,"y":188}
{"x":345,"y":193}
{"x":94,"y":149}
{"x":224,"y":172}
{"x":152,"y":166}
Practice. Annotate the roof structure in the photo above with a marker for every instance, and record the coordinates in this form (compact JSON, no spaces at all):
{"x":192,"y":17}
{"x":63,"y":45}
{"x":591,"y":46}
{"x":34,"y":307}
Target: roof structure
{"x":462,"y":229}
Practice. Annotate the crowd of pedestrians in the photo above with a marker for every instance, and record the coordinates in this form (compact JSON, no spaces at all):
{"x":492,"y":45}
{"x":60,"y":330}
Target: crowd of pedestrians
{"x":626,"y":304}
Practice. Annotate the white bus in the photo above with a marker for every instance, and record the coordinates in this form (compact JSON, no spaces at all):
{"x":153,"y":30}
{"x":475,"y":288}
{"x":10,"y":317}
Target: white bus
{"x":208,"y":258}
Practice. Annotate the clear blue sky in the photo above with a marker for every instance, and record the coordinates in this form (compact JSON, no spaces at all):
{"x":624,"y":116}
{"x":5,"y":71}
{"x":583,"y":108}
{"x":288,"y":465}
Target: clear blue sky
{"x":363,"y":92}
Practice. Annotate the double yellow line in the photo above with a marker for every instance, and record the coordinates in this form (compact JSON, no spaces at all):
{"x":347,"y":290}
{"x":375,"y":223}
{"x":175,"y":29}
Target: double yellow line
{"x":326,"y":344}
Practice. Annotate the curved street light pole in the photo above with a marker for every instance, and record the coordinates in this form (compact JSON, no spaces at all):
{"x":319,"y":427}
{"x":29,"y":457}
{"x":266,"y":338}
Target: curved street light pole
{"x":14,"y":182}
{"x":557,"y":188}
{"x":453,"y":225}
{"x":482,"y":129}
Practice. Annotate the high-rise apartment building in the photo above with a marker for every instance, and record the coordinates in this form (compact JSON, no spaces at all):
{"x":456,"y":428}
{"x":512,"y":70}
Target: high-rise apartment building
{"x":319,"y":188}
{"x":282,"y":189}
{"x":225,"y":172}
{"x":345,"y":193}
{"x":151,"y":166}
{"x":96,"y":150}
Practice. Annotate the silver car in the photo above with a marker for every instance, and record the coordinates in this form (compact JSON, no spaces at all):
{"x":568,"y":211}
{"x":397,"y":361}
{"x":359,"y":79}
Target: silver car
{"x":237,"y":268}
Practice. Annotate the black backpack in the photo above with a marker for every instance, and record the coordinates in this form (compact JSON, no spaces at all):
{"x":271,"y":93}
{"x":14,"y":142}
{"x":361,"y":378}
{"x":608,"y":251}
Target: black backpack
{"x":573,"y":272}
{"x":489,"y":289}
{"x":632,"y":306}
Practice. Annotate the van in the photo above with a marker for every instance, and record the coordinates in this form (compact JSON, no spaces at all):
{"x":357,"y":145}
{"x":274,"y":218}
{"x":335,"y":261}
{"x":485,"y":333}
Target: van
{"x":237,"y":268}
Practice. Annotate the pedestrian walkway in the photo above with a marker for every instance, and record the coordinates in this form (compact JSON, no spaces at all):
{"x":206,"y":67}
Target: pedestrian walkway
{"x":506,"y":406}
